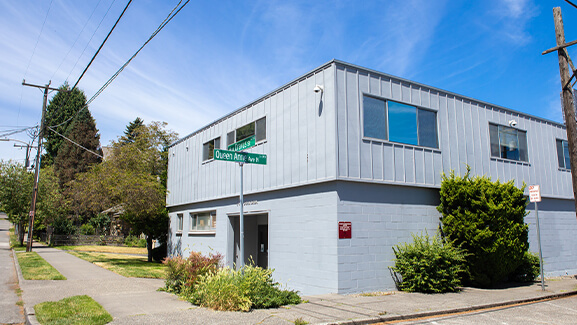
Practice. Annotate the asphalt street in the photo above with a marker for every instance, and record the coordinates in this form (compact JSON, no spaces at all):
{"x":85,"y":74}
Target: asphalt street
{"x":558,"y":311}
{"x":10,"y":312}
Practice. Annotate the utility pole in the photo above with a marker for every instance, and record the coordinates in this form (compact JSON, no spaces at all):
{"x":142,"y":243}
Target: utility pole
{"x":37,"y":164}
{"x":567,"y":93}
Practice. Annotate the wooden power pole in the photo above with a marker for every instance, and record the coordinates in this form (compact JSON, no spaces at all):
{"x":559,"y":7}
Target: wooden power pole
{"x":37,"y":164}
{"x":567,"y":92}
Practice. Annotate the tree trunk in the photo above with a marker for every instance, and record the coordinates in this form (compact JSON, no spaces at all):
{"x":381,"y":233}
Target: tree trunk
{"x":149,"y":247}
{"x":21,"y":233}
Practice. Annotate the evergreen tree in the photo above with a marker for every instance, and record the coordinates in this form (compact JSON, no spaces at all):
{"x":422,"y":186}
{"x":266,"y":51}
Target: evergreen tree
{"x":60,"y":108}
{"x":131,"y":132}
{"x":71,"y":158}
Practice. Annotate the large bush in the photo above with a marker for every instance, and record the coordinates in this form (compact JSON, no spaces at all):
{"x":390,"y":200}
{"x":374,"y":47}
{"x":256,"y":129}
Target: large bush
{"x":428,"y":265}
{"x":486,"y":219}
{"x":241,"y":290}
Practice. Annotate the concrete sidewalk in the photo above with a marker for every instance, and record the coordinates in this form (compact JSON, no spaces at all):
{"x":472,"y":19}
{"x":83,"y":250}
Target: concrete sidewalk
{"x":136,"y":301}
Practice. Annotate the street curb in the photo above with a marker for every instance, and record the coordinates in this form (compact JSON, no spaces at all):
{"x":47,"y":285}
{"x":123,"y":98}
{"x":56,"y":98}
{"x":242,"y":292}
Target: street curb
{"x":381,"y":319}
{"x":29,"y":311}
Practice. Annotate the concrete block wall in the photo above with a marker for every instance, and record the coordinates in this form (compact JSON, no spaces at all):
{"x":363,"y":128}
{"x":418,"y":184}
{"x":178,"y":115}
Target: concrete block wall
{"x":378,"y":224}
{"x":558,"y":226}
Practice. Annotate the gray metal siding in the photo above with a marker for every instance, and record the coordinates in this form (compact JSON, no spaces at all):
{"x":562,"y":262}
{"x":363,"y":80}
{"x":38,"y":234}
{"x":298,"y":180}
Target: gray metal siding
{"x":300,"y":145}
{"x":463,"y":136}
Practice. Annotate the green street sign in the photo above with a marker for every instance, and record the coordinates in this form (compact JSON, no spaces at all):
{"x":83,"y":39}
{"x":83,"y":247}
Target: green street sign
{"x":249,"y":158}
{"x":242,"y":144}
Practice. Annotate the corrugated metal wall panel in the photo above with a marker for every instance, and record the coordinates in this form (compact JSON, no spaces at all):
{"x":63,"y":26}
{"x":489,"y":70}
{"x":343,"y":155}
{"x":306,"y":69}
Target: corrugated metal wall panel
{"x":463,"y":137}
{"x":300,"y":145}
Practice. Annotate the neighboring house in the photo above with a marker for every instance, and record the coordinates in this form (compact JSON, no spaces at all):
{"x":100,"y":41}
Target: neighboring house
{"x":363,"y":147}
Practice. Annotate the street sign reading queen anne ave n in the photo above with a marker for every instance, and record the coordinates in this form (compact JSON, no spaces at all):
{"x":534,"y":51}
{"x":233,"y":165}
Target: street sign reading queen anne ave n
{"x":245,"y":157}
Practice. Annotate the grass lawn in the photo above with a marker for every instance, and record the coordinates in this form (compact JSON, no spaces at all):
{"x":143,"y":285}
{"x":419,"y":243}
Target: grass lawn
{"x":129,"y":266}
{"x":72,"y":310}
{"x":35,"y":267}
{"x":106,"y":249}
{"x":14,"y":243}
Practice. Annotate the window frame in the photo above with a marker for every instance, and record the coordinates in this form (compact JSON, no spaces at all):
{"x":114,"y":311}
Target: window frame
{"x":387,"y":121}
{"x":193,"y":224}
{"x":498,"y":145}
{"x":259,"y":132}
{"x":207,"y":153}
{"x":561,"y":158}
{"x":179,"y":222}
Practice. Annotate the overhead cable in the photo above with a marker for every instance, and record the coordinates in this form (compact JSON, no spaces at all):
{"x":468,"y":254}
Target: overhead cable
{"x":101,"y":45}
{"x":171,"y":15}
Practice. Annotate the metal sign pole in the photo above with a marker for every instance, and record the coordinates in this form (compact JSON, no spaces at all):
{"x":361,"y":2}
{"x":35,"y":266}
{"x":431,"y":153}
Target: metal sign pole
{"x":540,"y":253}
{"x":241,"y":218}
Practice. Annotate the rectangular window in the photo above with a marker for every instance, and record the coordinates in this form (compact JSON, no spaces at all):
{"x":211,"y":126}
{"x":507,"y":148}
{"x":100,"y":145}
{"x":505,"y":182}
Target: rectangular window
{"x":179,"y":221}
{"x":397,"y":122}
{"x":256,"y":128}
{"x":563,"y":154}
{"x":208,"y":149}
{"x":508,"y":142}
{"x":203,"y":221}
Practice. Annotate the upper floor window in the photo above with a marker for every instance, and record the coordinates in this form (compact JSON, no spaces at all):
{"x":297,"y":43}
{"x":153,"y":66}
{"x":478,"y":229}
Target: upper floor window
{"x":179,"y":222}
{"x":256,"y":128}
{"x":396,"y":122}
{"x":208,"y":148}
{"x":563,"y":154}
{"x":203,"y":221}
{"x":508,"y":142}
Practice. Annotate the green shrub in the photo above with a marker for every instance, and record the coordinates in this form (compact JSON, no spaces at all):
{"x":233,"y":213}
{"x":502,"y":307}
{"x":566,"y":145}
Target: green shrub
{"x":529,"y":269}
{"x":250,"y":287}
{"x":427,"y":265}
{"x":486,"y":219}
{"x":63,"y":226}
{"x":182,"y":273}
{"x":220,"y":290}
{"x":141,"y":242}
{"x":87,"y":229}
{"x":130,"y":241}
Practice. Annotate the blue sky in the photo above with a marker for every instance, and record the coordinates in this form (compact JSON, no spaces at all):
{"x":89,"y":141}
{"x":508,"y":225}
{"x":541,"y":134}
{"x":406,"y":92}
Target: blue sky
{"x":216,"y":56}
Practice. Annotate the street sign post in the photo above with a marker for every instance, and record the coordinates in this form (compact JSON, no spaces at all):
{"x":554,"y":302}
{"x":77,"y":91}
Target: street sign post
{"x":241,"y":158}
{"x":535,"y":197}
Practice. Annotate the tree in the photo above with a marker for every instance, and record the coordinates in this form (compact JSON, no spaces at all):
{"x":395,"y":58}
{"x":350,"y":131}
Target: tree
{"x":486,"y":219}
{"x":16,"y":194}
{"x":73,"y":159}
{"x":60,"y":109}
{"x":132,"y":180}
{"x":52,"y":203}
{"x":131,"y":132}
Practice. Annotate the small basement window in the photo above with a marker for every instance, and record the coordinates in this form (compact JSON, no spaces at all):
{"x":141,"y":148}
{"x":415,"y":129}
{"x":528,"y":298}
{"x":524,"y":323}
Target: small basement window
{"x":203,"y":221}
{"x":179,"y":221}
{"x":208,"y":149}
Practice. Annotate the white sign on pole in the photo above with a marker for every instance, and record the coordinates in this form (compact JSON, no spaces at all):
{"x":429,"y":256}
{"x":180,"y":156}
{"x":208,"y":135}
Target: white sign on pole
{"x":534,"y":193}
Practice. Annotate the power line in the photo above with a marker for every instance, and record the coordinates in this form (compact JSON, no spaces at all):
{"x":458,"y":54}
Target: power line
{"x":91,"y":37}
{"x":171,"y":15}
{"x":77,"y":144}
{"x":76,"y":40}
{"x":38,"y":40}
{"x":101,"y":45}
{"x":571,"y":3}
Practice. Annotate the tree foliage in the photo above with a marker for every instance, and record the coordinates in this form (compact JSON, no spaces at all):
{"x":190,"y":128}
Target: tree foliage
{"x":486,"y":219}
{"x":73,"y":159}
{"x":16,"y":194}
{"x":131,"y":179}
{"x":131,"y":132}
{"x":60,"y":108}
